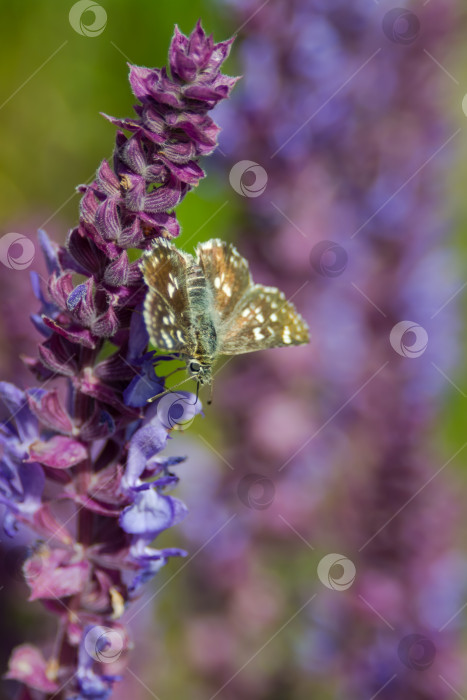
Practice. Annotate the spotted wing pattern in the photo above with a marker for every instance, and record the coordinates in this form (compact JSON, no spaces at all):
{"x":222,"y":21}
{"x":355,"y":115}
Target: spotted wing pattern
{"x":166,"y":308}
{"x":227,"y":275}
{"x":263,"y":318}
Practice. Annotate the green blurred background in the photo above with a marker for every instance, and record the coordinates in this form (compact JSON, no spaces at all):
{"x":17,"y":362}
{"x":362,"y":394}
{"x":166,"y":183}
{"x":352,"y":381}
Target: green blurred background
{"x":54,"y":83}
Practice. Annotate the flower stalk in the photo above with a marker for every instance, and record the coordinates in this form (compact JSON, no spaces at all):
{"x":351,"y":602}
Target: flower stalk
{"x":81,"y":463}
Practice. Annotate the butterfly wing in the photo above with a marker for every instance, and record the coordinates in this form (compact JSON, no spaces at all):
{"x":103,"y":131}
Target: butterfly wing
{"x":263,"y":319}
{"x":166,"y":306}
{"x":226,"y":273}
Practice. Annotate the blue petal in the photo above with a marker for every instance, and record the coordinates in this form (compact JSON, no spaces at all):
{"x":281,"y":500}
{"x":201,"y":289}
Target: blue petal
{"x":75,"y":296}
{"x":147,"y":573}
{"x":9,"y":524}
{"x":139,"y":337}
{"x":151,"y":513}
{"x":16,"y":402}
{"x":36,"y":286}
{"x":47,"y":307}
{"x":106,"y":419}
{"x":49,"y":251}
{"x":146,"y":442}
{"x":144,"y":386}
{"x":33,"y":481}
{"x":40,"y":325}
{"x":151,"y":561}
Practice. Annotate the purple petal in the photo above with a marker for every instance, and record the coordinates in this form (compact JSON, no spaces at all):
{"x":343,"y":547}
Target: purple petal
{"x":162,"y":223}
{"x":132,"y":236}
{"x":200,"y":46}
{"x":189,"y":172}
{"x":47,"y":579}
{"x":107,"y":219}
{"x":129,"y":124}
{"x":88,"y":206}
{"x":47,"y":407}
{"x":139,"y":79}
{"x":116,"y":273}
{"x":179,"y":152}
{"x":165,"y":197}
{"x":133,"y":155}
{"x":59,"y":288}
{"x":107,"y":181}
{"x":59,"y":452}
{"x":106,"y":325}
{"x":27,"y":665}
{"x":51,"y":357}
{"x":155,"y":124}
{"x":82,"y":255}
{"x":74,"y":335}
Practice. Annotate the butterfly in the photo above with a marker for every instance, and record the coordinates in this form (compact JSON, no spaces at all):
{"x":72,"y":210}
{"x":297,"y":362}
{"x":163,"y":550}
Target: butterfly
{"x":204,"y":306}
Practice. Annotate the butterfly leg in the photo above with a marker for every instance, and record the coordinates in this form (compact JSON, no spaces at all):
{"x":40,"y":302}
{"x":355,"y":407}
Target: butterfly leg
{"x":171,"y":390}
{"x":170,"y":356}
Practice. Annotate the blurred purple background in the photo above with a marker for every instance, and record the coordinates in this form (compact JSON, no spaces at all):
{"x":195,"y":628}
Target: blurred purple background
{"x":337,"y":178}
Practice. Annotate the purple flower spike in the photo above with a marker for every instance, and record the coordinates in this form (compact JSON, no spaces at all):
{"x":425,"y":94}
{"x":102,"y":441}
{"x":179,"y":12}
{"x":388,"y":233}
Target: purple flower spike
{"x":94,"y":443}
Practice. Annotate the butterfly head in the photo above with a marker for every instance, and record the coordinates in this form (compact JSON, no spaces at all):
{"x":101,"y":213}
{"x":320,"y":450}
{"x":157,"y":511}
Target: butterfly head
{"x":202,"y":373}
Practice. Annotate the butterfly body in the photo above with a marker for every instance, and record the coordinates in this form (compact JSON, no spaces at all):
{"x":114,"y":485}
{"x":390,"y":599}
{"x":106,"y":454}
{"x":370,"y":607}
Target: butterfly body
{"x":205,"y":306}
{"x":200,"y":350}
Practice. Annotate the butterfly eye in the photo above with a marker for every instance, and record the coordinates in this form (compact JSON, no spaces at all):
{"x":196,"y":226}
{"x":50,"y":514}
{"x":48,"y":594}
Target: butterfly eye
{"x":195,"y":366}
